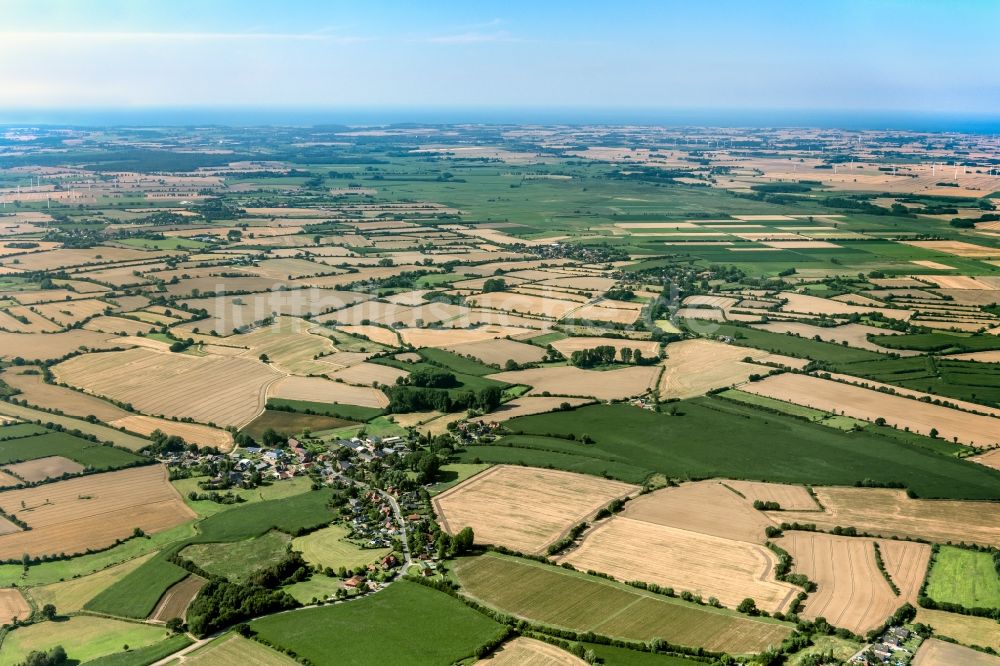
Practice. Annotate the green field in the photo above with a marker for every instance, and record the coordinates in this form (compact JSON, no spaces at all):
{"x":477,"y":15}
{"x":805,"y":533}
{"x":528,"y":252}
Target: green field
{"x":710,"y":437}
{"x":84,"y":638}
{"x":573,"y":600}
{"x":52,"y":572}
{"x":319,"y":586}
{"x":466,"y":381}
{"x":101,"y":432}
{"x":328,"y":547}
{"x":841,"y":648}
{"x":348,"y":412}
{"x":136,"y":594}
{"x":17,"y":430}
{"x":145,"y":655}
{"x":88,"y":454}
{"x":536,"y":451}
{"x":291,"y":423}
{"x":272,"y":491}
{"x":790,"y":408}
{"x":405,"y":623}
{"x":232,"y":650}
{"x":238,"y":560}
{"x":964,"y":577}
{"x":454,"y":473}
{"x":938,"y":342}
{"x":790,"y":345}
{"x":456,"y":363}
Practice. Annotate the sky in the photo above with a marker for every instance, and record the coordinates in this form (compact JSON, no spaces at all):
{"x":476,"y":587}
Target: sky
{"x":907,"y":56}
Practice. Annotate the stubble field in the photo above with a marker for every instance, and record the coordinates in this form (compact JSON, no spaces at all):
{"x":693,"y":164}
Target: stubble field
{"x":208,"y":389}
{"x":705,"y":565}
{"x":887,"y":512}
{"x":524,"y":508}
{"x":91,"y":511}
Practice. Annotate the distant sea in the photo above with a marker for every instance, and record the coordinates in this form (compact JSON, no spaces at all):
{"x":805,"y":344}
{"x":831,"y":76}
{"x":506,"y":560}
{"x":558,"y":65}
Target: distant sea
{"x":245,"y":117}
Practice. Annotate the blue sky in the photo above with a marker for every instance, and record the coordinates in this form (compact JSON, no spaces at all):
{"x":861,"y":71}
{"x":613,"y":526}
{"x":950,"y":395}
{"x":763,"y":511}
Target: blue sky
{"x":913,"y":56}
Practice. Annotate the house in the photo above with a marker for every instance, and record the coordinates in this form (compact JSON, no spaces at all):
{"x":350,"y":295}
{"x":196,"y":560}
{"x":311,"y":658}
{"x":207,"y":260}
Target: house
{"x":354,"y":581}
{"x":389,"y":561}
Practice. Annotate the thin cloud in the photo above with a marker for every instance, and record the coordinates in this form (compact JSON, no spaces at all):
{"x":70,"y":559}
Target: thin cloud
{"x":474,"y":37}
{"x":104,"y":37}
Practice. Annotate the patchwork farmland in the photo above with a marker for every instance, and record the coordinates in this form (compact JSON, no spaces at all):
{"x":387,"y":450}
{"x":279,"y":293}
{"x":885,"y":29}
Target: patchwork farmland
{"x":673,"y":370}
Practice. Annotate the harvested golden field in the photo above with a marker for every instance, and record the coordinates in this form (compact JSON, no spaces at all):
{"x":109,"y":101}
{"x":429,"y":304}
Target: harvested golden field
{"x":379,"y":334}
{"x":529,"y":289}
{"x":523,"y":651}
{"x":707,"y":507}
{"x":13,"y":606}
{"x":208,"y":389}
{"x":497,"y":318}
{"x":566,"y":346}
{"x":967,"y":629}
{"x":526,"y":406}
{"x":35,"y":323}
{"x":115,"y":325}
{"x":101,"y":432}
{"x":550,"y":308}
{"x":614,"y":384}
{"x":70,"y":595}
{"x":991,"y":458}
{"x":7,"y":481}
{"x":193,"y":433}
{"x":524,"y":508}
{"x":69,"y":257}
{"x":604,"y":312}
{"x":67,"y":313}
{"x":957,"y":248}
{"x":992,"y":356}
{"x":805,"y":304}
{"x":289,"y":346}
{"x":721,"y":302}
{"x":40,"y":469}
{"x":933,"y":265}
{"x":317,"y":389}
{"x":694,"y":367}
{"x":705,"y":565}
{"x":867,"y":405}
{"x":92,"y":511}
{"x":499,"y":351}
{"x":365,"y":374}
{"x":34,"y":389}
{"x":788,"y":497}
{"x":229,"y":312}
{"x":852,"y":593}
{"x":934,"y":652}
{"x":855,"y":335}
{"x":959,"y":282}
{"x":962,"y":405}
{"x":906,"y":562}
{"x":447,"y":337}
{"x":888,"y":512}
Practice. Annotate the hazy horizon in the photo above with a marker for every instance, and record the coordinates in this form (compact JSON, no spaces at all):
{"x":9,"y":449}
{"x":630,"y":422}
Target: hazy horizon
{"x":881,"y":57}
{"x":937,"y":122}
